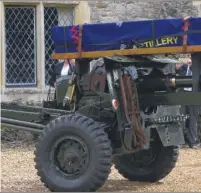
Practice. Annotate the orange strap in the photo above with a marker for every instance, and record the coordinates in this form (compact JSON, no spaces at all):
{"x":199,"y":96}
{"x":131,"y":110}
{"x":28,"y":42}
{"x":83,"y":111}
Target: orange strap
{"x":185,"y":36}
{"x":80,"y":41}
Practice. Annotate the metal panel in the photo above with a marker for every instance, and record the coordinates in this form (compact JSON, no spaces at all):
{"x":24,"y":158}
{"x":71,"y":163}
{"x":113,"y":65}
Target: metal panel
{"x":54,"y":16}
{"x":20,"y":46}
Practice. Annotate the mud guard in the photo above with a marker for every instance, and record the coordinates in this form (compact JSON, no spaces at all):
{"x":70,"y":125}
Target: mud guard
{"x":171,"y":135}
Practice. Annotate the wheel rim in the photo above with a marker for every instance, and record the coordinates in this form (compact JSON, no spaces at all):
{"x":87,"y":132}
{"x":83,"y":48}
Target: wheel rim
{"x":144,"y":158}
{"x":70,"y":156}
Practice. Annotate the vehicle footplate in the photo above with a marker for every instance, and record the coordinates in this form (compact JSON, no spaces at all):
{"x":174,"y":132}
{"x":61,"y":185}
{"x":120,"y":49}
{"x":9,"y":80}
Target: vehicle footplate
{"x":171,"y":134}
{"x":128,"y":138}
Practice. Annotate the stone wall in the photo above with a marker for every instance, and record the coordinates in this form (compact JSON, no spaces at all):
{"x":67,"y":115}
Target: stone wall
{"x":109,"y":11}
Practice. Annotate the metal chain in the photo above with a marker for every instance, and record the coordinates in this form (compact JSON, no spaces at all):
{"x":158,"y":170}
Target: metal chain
{"x":139,"y":129}
{"x":135,"y":94}
{"x":134,"y":114}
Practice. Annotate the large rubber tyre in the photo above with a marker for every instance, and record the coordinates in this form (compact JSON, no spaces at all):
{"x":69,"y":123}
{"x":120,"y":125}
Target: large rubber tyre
{"x":99,"y":151}
{"x":135,"y":167}
{"x":199,"y":129}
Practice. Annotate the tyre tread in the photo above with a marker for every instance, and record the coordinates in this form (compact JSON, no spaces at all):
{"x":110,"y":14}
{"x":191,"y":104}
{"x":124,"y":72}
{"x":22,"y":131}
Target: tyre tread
{"x":99,"y":136}
{"x":169,"y":162}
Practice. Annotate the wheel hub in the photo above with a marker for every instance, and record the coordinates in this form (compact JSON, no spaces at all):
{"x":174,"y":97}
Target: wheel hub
{"x":144,"y":158}
{"x":71,"y":156}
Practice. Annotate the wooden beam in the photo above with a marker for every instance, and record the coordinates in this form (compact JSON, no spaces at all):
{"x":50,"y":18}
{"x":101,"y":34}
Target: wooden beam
{"x":139,"y":51}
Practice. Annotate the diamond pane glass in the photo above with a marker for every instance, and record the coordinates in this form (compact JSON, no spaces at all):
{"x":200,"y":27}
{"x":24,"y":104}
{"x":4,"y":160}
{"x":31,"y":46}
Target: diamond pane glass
{"x":20,"y":46}
{"x":54,"y":16}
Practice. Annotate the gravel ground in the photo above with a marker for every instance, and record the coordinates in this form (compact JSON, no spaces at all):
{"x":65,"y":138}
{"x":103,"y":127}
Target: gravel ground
{"x":19,"y":175}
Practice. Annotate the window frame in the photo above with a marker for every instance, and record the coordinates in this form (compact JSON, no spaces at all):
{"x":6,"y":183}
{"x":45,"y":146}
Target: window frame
{"x":24,"y":85}
{"x":40,"y":49}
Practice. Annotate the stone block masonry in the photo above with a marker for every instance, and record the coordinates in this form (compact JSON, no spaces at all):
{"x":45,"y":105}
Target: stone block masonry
{"x":111,"y":11}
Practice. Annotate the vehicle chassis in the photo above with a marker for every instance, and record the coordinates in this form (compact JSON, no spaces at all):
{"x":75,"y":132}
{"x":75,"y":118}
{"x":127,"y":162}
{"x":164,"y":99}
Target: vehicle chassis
{"x":120,"y":132}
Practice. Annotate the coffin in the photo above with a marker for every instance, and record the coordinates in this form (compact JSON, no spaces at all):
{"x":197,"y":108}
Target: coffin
{"x":127,"y":38}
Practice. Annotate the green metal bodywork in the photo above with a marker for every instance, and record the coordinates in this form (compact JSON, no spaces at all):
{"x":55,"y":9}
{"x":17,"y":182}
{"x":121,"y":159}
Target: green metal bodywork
{"x":97,"y":105}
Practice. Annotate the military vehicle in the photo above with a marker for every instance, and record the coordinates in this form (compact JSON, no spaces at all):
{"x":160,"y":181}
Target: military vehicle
{"x":125,"y":111}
